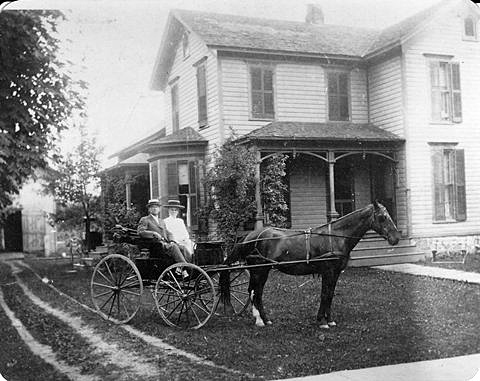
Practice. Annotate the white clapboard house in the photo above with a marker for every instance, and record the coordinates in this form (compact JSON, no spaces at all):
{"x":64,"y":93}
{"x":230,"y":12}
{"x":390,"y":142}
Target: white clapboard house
{"x":364,"y":114}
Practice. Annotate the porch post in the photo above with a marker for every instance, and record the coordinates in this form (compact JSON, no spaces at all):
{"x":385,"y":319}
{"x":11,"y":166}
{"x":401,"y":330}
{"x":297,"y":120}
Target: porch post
{"x":128,"y":190}
{"x":332,"y":214}
{"x":258,"y":197}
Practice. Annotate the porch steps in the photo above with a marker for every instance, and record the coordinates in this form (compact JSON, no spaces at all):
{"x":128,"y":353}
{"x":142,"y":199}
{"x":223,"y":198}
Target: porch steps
{"x":373,"y":250}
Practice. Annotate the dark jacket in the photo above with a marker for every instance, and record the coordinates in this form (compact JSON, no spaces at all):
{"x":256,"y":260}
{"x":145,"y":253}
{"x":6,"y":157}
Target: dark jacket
{"x":147,"y":226}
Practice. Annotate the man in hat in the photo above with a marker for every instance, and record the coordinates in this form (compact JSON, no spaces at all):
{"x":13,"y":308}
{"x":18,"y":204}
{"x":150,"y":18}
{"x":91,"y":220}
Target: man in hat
{"x":176,"y":226}
{"x":152,"y":226}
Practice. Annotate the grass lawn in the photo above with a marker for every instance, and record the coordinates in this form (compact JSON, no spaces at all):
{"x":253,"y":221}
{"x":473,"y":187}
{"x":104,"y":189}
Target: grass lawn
{"x":383,"y":318}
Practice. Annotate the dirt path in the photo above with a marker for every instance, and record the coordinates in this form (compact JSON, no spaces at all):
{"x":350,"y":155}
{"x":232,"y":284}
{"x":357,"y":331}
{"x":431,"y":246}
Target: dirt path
{"x":153,"y":361}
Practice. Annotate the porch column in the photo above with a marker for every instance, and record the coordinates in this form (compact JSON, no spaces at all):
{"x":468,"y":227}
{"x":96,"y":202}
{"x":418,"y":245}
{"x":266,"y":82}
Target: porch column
{"x":332,"y":214}
{"x":128,"y":190}
{"x":258,"y":197}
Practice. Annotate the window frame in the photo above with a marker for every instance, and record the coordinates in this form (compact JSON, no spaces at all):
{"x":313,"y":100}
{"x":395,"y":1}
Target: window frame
{"x":263,"y":67}
{"x":202,"y":114}
{"x":451,"y":92}
{"x":175,"y":106}
{"x":348,"y":94}
{"x":448,"y":161}
{"x":466,"y":36}
{"x":185,"y":44}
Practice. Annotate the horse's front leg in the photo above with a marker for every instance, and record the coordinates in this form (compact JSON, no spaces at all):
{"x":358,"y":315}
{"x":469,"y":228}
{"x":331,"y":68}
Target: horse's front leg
{"x":329,"y":282}
{"x":258,"y":277}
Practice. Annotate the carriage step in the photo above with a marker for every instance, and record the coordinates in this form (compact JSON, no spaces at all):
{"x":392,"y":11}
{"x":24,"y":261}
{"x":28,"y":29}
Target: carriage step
{"x":383,"y":259}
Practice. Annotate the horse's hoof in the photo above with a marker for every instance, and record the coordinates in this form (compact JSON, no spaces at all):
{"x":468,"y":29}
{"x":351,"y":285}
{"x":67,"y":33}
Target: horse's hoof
{"x":269,"y":322}
{"x":332,"y":324}
{"x":324,"y":326}
{"x":260,"y":324}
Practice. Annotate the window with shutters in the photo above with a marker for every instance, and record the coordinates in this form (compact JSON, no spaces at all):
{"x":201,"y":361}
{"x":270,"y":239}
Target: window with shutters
{"x":175,"y":111}
{"x":183,"y":184}
{"x":261,"y":92}
{"x":445,"y":91}
{"x":338,"y":87}
{"x":202,"y":95}
{"x":449,"y":199}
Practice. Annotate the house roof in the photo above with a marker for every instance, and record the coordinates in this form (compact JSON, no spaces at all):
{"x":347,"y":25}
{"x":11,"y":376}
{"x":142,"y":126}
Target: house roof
{"x":134,"y":148}
{"x":184,"y":136}
{"x":298,"y":131}
{"x":223,"y":30}
{"x":259,"y":35}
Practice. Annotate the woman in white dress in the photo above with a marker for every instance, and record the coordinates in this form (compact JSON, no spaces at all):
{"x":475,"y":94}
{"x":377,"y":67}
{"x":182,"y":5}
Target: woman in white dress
{"x":176,"y":226}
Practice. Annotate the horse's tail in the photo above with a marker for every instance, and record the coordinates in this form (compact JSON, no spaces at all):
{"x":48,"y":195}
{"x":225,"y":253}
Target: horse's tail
{"x":238,"y":254}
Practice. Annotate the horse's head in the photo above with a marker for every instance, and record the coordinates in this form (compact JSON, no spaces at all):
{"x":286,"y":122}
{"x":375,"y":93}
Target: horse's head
{"x":384,"y":225}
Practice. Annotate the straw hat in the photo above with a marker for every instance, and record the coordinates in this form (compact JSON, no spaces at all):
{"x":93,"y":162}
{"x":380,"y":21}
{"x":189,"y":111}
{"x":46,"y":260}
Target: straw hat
{"x":153,"y":202}
{"x":174,"y":204}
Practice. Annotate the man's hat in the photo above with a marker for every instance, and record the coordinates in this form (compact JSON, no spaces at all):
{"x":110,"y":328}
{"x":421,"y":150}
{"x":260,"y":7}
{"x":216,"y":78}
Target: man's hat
{"x":153,"y":202}
{"x":174,"y":204}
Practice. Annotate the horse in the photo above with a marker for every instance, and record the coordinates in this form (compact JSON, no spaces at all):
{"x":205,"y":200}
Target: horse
{"x":324,"y":250}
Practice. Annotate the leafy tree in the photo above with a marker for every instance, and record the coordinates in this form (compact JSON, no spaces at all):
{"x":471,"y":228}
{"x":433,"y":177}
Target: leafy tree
{"x":75,"y":181}
{"x":37,"y":96}
{"x":274,"y":190}
{"x":230,"y":185}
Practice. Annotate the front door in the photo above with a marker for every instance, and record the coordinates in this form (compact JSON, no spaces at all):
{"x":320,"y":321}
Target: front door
{"x":344,"y":188}
{"x":13,"y":232}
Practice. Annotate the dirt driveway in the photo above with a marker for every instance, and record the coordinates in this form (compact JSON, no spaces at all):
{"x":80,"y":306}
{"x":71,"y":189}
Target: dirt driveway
{"x":56,"y":338}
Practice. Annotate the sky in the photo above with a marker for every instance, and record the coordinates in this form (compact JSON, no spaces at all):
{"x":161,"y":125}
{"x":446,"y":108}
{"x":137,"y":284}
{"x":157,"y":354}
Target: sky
{"x":113,"y":45}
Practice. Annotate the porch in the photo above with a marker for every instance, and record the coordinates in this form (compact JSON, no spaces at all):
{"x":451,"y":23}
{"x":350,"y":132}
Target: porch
{"x":334,"y":169}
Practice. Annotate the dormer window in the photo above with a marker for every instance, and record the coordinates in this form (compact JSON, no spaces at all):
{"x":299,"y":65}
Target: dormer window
{"x":185,"y":45}
{"x":469,"y":29}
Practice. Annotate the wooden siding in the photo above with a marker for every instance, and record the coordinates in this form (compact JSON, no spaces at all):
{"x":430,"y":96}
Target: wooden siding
{"x":421,"y":132}
{"x":187,"y":87}
{"x":308,"y":194}
{"x":386,"y":101}
{"x":299,"y":94}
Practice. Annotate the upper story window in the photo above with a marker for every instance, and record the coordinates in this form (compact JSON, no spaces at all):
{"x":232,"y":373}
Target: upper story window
{"x":202,"y":95}
{"x":449,"y":199}
{"x":469,"y":29}
{"x":185,"y":45}
{"x":446,"y":91}
{"x":261,"y":85}
{"x":175,"y":107}
{"x":338,"y":85}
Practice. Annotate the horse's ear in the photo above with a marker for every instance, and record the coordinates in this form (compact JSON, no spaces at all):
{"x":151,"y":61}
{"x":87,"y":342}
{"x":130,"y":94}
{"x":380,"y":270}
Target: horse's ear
{"x":375,"y":203}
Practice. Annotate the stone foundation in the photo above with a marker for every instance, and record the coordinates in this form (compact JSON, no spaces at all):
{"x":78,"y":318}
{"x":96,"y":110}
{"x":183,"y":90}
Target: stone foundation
{"x":451,"y":245}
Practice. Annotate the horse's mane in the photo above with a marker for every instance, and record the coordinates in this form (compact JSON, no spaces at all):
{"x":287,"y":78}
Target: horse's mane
{"x":344,"y":220}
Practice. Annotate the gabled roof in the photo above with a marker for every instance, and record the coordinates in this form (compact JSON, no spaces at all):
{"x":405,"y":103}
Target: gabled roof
{"x":249,"y":34}
{"x":222,"y":30}
{"x":321,"y":131}
{"x":136,"y":147}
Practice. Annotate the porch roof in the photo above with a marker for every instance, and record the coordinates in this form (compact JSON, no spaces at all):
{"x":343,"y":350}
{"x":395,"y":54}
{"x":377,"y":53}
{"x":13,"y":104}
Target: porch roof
{"x":185,"y":136}
{"x":303,"y":131}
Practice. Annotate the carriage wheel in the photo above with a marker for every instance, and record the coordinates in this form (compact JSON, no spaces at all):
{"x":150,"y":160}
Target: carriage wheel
{"x":185,"y":303}
{"x":239,"y":298}
{"x":116,"y":288}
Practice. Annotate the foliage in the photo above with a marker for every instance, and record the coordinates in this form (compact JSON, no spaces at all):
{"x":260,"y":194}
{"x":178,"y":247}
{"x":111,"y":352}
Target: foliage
{"x":75,"y":180}
{"x":117,"y":213}
{"x":37,"y":95}
{"x":274,"y":190}
{"x":113,"y":190}
{"x":230,"y":184}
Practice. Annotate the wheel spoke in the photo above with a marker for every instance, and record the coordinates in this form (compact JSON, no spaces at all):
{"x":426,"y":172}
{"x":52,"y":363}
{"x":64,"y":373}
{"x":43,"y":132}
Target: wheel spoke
{"x":105,"y":277}
{"x":108,"y":299}
{"x":200,"y":307}
{"x":110,"y":272}
{"x":131,"y":293}
{"x":104,"y":285}
{"x":196,"y":316}
{"x":130,"y":285}
{"x":102,"y":294}
{"x":111,"y":305}
{"x":174,"y":309}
